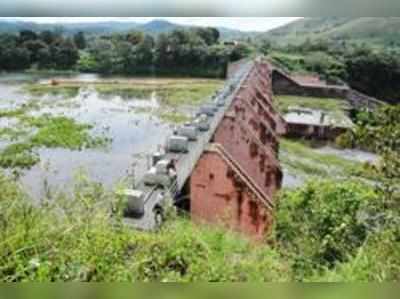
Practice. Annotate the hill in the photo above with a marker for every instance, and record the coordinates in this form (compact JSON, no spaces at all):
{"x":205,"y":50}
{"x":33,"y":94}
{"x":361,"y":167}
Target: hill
{"x":370,"y":29}
{"x":153,"y":27}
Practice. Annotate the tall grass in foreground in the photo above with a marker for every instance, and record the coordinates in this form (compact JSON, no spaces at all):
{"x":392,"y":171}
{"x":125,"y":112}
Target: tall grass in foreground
{"x":77,"y":239}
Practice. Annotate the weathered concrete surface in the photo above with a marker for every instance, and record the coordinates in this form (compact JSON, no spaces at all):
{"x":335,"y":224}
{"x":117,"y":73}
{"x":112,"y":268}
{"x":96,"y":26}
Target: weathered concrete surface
{"x":315,"y":124}
{"x":220,"y":196}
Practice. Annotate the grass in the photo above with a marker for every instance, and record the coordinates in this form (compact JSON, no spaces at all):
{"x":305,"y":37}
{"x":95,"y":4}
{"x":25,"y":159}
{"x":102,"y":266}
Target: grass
{"x":11,"y":113}
{"x":66,"y":91}
{"x":81,"y":237}
{"x":76,"y":238}
{"x":125,"y":91}
{"x":170,"y":93}
{"x":18,"y":155}
{"x":302,"y":159}
{"x":330,"y":105}
{"x":12,"y":134}
{"x":174,"y":117}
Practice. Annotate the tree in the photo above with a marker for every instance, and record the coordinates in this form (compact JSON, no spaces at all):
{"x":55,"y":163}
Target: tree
{"x":44,"y":58}
{"x":379,"y":131}
{"x":104,"y":54}
{"x":240,"y":51}
{"x":162,"y":51}
{"x":17,"y":58}
{"x":125,"y":59}
{"x":135,"y":37}
{"x":374,"y":73}
{"x":27,"y":35}
{"x":64,"y":54}
{"x":145,"y":52}
{"x":265,"y":46}
{"x":34,"y":46}
{"x":210,"y":35}
{"x":80,"y":40}
{"x":47,"y":37}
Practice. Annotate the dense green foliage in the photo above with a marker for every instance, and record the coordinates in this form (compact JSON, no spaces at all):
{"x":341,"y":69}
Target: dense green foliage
{"x":314,"y":62}
{"x":50,"y":132}
{"x":338,"y":231}
{"x":324,"y":231}
{"x":195,"y":51}
{"x":379,"y":131}
{"x":371,"y":30}
{"x":323,"y":228}
{"x":45,"y":50}
{"x":186,"y":52}
{"x":376,"y":73}
{"x":373,"y":71}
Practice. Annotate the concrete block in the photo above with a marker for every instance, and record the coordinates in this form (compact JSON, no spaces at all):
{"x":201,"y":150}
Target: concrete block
{"x":135,"y":202}
{"x":208,"y":110}
{"x":153,"y":178}
{"x":178,"y":144}
{"x":202,"y":123}
{"x":220,"y":102}
{"x":161,"y":167}
{"x":156,"y":157}
{"x":188,"y":131}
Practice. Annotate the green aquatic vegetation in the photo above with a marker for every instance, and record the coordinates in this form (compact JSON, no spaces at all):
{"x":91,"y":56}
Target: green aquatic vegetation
{"x":191,"y":95}
{"x":66,"y":91}
{"x":124,"y":91}
{"x":18,"y":155}
{"x":51,"y":132}
{"x":300,"y":157}
{"x":20,"y":111}
{"x":12,"y":113}
{"x":13,"y":133}
{"x":170,"y":92}
{"x":174,"y":117}
{"x":63,"y":132}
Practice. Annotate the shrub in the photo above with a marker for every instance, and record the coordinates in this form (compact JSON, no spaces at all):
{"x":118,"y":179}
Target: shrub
{"x":318,"y":225}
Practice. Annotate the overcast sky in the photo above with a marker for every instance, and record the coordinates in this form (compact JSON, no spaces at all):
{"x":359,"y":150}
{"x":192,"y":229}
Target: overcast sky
{"x":244,"y":24}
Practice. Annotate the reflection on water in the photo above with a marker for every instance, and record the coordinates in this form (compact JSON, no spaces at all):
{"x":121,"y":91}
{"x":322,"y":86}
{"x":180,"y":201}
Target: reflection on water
{"x":135,"y":133}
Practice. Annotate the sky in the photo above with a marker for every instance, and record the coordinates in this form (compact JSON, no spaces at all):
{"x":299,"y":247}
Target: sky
{"x":240,"y":23}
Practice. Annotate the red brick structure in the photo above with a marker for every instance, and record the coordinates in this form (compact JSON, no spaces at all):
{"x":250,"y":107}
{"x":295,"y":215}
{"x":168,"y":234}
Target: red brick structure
{"x":235,"y":180}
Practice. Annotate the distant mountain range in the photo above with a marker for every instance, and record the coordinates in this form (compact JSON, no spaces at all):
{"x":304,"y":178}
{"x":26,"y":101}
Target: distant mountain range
{"x":370,"y":29}
{"x":154,"y":27}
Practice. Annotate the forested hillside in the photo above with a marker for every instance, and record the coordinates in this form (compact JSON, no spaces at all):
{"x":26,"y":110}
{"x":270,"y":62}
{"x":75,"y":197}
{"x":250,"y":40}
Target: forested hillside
{"x":374,"y":30}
